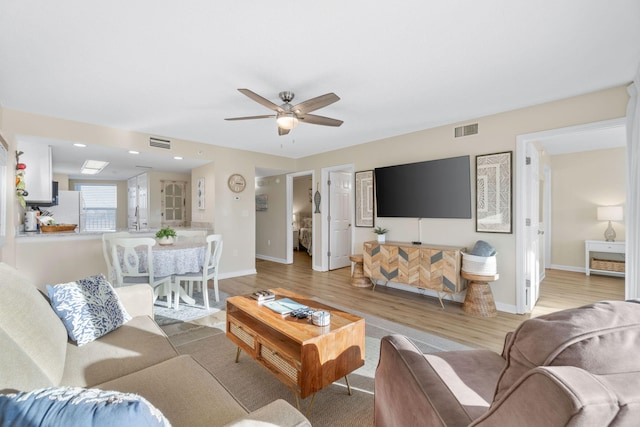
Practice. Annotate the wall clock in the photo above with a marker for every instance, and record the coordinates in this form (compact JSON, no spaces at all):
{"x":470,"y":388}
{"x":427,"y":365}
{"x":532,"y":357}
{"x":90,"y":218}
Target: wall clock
{"x":237,"y":183}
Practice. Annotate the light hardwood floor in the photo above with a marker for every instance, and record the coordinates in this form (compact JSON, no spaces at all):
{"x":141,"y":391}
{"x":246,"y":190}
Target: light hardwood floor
{"x":560,"y":290}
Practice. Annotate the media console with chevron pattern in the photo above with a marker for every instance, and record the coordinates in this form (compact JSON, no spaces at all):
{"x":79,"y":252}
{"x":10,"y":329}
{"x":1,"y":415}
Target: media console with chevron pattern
{"x":423,"y":266}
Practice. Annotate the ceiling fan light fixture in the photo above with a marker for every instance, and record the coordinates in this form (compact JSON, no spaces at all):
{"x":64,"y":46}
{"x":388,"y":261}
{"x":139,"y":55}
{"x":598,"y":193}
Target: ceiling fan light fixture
{"x":287,"y":121}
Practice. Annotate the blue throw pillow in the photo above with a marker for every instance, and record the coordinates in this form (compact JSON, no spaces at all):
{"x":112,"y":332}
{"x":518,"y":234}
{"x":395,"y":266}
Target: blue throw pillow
{"x":89,"y":308}
{"x":483,"y":249}
{"x":69,"y":406}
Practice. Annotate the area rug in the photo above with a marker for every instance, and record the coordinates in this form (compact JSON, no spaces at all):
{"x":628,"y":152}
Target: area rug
{"x":255,"y":387}
{"x":164,"y":315}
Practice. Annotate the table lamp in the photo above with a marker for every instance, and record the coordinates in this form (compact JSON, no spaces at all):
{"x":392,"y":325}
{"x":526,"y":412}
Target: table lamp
{"x":610,"y":213}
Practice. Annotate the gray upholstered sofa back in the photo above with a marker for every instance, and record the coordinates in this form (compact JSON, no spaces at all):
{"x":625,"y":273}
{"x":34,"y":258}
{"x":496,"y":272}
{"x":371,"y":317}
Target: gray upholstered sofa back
{"x":598,"y":338}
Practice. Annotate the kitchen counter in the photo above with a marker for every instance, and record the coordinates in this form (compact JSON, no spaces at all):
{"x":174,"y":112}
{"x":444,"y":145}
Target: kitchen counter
{"x":37,"y":236}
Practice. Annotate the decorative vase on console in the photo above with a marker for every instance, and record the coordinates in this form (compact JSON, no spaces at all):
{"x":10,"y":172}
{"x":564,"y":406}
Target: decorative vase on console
{"x":381,"y":234}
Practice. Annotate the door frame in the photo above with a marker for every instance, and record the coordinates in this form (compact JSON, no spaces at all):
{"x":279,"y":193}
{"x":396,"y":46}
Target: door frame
{"x":324,"y":205}
{"x":521,"y":193}
{"x":289,"y":211}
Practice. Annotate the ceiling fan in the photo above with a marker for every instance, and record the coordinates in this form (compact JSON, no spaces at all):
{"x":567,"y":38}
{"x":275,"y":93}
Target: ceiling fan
{"x":287,"y":115}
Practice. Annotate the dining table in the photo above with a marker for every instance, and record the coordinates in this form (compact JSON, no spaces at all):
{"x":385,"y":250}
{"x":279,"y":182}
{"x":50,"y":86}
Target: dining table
{"x":178,"y":258}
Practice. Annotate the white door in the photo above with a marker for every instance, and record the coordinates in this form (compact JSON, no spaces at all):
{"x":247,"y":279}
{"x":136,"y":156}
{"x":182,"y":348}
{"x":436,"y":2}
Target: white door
{"x":339,"y":219}
{"x":532,"y":226}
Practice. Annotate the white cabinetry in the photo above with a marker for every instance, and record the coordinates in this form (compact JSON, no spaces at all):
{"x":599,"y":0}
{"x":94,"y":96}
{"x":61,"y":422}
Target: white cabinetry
{"x":38,"y":174}
{"x":604,"y":257}
{"x":138,"y":203}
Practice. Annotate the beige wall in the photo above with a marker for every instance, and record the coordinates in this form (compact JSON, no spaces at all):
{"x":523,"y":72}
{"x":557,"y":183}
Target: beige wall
{"x":580,"y":183}
{"x":271,"y":225}
{"x":497,"y":133}
{"x":235,"y":214}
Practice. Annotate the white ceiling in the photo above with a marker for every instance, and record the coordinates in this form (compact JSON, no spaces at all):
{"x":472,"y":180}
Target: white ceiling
{"x":172,"y":69}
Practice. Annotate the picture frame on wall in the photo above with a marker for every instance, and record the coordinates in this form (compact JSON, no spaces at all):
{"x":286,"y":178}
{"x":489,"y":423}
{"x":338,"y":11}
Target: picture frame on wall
{"x":364,"y":199}
{"x":494,"y":200}
{"x":200,"y":193}
{"x":262,"y":202}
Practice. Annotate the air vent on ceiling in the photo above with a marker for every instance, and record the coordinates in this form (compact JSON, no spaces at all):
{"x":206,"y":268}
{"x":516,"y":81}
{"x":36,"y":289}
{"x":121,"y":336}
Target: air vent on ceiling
{"x":466,"y":130}
{"x":160,"y":143}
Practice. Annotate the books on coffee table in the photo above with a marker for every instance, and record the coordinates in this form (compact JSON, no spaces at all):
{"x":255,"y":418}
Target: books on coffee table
{"x":265,"y":295}
{"x":284,"y":305}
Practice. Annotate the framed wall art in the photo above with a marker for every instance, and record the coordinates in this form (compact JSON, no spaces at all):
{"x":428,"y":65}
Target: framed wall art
{"x":493,"y":193}
{"x":262,"y":202}
{"x":200,"y":193}
{"x":364,"y":199}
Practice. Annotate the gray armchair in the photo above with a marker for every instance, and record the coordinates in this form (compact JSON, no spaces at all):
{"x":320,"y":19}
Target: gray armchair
{"x":577,"y":367}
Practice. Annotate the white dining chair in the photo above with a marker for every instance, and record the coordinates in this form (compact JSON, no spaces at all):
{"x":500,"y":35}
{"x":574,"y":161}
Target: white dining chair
{"x":190,"y":235}
{"x":209,"y":271}
{"x":106,"y":251}
{"x":127,"y":255}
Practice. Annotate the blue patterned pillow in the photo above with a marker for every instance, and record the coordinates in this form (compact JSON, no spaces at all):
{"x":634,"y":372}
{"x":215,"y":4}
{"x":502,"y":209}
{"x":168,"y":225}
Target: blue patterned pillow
{"x":67,"y":406}
{"x":89,"y":308}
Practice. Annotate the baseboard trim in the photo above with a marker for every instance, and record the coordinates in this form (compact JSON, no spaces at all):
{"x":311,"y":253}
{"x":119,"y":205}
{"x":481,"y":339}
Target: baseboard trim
{"x":269,"y":258}
{"x":229,"y":275}
{"x":568,"y":268}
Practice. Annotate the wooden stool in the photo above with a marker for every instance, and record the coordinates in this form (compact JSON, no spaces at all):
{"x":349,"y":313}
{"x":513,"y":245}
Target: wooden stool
{"x":479,"y":300}
{"x":358,"y":279}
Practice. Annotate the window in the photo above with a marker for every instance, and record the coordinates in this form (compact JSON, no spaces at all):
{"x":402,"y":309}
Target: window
{"x":98,"y":206}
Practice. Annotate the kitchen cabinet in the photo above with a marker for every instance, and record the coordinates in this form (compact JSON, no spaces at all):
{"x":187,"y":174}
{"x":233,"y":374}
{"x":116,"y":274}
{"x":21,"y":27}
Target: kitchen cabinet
{"x":38,"y":173}
{"x":138,"y":203}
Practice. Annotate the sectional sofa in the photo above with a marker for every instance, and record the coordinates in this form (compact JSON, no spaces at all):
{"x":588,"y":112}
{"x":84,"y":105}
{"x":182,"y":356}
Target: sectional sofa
{"x":136,"y":358}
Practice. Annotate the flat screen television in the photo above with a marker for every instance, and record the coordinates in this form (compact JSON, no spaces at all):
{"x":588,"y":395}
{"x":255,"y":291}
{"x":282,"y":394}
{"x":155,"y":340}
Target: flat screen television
{"x":431,"y":189}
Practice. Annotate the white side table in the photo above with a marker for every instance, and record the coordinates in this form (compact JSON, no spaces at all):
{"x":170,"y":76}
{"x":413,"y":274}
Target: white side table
{"x":616,"y":249}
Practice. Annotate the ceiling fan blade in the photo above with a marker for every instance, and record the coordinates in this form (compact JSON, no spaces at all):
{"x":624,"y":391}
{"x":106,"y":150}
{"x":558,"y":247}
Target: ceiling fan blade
{"x":320,"y":120}
{"x":282,"y":131}
{"x":269,"y":116}
{"x":261,"y":100}
{"x":315,"y":103}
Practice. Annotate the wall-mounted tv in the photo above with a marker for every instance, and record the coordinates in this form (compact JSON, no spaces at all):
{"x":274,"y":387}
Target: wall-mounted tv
{"x":432,"y":189}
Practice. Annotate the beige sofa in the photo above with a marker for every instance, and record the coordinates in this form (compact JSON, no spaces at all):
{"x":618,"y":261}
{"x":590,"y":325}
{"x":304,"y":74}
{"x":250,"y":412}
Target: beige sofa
{"x":578,"y":367}
{"x":137,"y":358}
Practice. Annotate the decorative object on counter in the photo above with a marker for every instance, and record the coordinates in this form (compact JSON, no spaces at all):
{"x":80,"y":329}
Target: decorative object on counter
{"x":31,"y":221}
{"x":316,"y":200}
{"x":364,"y":199}
{"x":57,"y":228}
{"x":493,"y":193}
{"x":166,"y":236}
{"x":21,"y":191}
{"x":610,"y":213}
{"x":381,"y":234}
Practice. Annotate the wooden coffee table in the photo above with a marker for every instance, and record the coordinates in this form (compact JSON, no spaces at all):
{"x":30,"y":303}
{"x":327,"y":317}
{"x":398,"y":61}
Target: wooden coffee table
{"x":304,"y":357}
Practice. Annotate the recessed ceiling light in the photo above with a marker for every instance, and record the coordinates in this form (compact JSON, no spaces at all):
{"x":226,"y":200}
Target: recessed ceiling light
{"x":134,"y":152}
{"x":92,"y":167}
{"x":178,"y":158}
{"x":77,"y":144}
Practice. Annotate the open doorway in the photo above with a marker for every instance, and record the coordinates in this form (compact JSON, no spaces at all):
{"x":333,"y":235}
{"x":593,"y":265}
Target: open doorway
{"x":302,"y":218}
{"x":300,"y":221}
{"x":534,"y":204}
